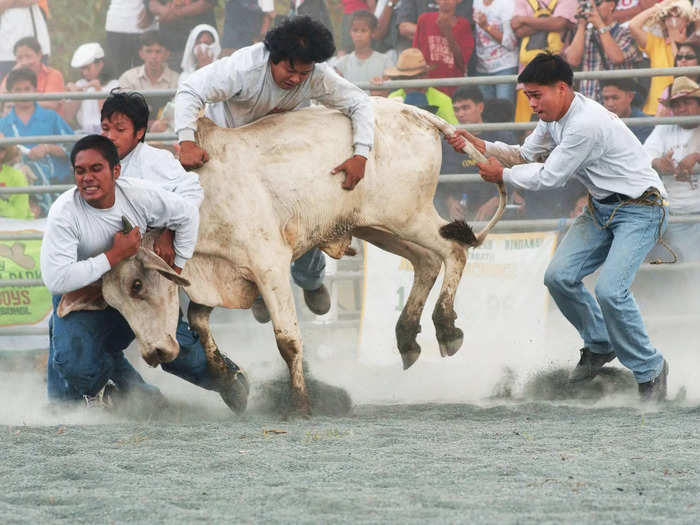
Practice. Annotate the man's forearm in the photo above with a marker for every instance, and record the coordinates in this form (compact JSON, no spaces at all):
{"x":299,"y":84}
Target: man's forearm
{"x":407,"y":29}
{"x":549,"y":23}
{"x":611,"y":49}
{"x":507,"y":154}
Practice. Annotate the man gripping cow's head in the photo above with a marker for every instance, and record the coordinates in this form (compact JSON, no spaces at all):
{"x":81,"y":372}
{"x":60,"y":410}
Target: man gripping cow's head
{"x":295,"y":46}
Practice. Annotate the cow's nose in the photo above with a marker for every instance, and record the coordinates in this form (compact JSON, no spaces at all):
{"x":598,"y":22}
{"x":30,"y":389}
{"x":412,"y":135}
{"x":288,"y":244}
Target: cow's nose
{"x":164,"y":356}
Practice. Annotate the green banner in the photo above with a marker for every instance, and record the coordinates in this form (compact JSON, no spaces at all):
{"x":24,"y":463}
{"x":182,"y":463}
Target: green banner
{"x":20,"y":305}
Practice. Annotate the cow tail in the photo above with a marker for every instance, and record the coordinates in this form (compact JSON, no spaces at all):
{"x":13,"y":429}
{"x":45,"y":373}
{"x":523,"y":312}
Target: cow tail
{"x":460,"y":231}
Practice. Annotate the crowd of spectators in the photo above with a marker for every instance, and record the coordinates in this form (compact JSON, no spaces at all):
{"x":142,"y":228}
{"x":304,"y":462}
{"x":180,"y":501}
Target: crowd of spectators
{"x":156,"y":44}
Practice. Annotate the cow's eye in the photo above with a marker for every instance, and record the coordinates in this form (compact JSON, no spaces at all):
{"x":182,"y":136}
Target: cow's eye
{"x":136,"y":286}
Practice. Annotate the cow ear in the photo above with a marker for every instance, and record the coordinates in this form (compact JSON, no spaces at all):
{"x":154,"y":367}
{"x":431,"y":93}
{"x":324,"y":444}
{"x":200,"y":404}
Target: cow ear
{"x":86,"y":298}
{"x":151,"y":261}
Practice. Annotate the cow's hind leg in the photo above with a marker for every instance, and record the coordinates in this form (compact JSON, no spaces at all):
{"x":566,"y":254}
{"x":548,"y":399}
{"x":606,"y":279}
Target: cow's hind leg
{"x":426,"y":266}
{"x":229,"y":380}
{"x":276,"y":291}
{"x":424,"y":229}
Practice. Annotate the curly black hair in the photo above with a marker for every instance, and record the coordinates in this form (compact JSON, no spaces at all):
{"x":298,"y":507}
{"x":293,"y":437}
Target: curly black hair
{"x":300,"y":38}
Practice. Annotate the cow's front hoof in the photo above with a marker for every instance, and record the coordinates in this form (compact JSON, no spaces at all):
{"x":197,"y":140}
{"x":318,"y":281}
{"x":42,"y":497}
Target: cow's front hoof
{"x":410,"y":357}
{"x":450,"y":341}
{"x":236,"y":388}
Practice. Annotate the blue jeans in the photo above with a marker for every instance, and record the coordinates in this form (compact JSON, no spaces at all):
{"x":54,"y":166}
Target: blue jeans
{"x":504,"y":91}
{"x":86,"y":348}
{"x":613,"y":323}
{"x":309,"y":270}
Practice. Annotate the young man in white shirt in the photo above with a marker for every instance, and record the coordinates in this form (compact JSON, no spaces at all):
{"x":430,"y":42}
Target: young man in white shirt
{"x":281,"y":74}
{"x":83,"y":241}
{"x":615,"y":232}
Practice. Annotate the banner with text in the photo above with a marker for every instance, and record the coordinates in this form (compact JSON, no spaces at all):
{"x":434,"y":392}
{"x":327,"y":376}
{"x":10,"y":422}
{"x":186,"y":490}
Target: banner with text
{"x":501,"y":299}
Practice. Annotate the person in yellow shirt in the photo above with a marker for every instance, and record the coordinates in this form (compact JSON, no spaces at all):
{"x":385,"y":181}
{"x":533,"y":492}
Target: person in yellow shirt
{"x":674,"y":19}
{"x":13,"y":206}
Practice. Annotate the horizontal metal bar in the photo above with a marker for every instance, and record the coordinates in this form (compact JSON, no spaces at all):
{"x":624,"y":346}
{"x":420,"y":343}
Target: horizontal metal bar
{"x":69,"y":139}
{"x":51,"y":188}
{"x":11,"y":283}
{"x":632,"y":122}
{"x":20,"y":236}
{"x":78,"y":95}
{"x":24,"y":330}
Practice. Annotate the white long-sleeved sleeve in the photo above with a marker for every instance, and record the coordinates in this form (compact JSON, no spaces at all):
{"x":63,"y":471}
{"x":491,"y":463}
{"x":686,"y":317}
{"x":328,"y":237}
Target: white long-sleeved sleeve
{"x":217,"y":82}
{"x":169,"y":210}
{"x":564,"y":161}
{"x":165,"y":171}
{"x":507,"y":154}
{"x":61,"y":270}
{"x":335,"y":92}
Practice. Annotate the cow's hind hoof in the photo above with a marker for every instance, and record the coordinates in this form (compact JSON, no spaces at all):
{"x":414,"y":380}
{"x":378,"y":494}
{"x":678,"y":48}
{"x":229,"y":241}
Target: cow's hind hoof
{"x":235,"y":391}
{"x":409,"y":358}
{"x":450,"y":341}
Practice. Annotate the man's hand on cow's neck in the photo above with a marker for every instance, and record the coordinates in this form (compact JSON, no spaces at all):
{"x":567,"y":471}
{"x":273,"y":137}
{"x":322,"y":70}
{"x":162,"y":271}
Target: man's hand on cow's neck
{"x":124,"y":245}
{"x":491,"y":170}
{"x":191,"y":155}
{"x":354,"y":169}
{"x":164,"y":248}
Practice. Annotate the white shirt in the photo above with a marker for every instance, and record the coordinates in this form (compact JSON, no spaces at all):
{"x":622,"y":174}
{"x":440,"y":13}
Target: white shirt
{"x":160,"y":168}
{"x":682,"y":197}
{"x":16,"y":23}
{"x":243,"y":85}
{"x":123,"y":16}
{"x":88,"y":116}
{"x":77,"y":235}
{"x":589,"y":143}
{"x":492,"y":55}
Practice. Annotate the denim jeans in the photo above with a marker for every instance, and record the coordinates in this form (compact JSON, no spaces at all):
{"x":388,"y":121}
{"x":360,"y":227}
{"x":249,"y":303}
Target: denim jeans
{"x":309,"y":270}
{"x":86,"y":349}
{"x":504,"y":91}
{"x":612,"y":323}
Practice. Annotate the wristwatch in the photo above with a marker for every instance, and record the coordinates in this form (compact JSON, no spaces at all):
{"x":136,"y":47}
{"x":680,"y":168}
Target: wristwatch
{"x":390,"y":3}
{"x":604,"y":29}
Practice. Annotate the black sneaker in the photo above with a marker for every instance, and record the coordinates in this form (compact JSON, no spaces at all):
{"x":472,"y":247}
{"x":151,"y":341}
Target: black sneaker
{"x":318,"y":300}
{"x":589,"y":365}
{"x":260,"y":311}
{"x":656,"y":389}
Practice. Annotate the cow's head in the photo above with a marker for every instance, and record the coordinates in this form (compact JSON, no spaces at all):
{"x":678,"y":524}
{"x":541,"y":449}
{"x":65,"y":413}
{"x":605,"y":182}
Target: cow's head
{"x":144,"y":290}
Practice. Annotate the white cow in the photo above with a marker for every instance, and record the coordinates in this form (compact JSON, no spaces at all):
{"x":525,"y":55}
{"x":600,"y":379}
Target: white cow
{"x":270,"y":197}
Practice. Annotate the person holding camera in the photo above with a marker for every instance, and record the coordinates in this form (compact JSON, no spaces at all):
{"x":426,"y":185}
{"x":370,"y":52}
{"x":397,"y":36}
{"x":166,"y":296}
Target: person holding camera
{"x":600,"y":43}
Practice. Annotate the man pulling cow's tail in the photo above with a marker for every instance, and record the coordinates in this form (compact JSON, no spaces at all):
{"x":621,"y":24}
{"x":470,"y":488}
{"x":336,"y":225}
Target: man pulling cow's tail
{"x":281,"y":74}
{"x":625,"y":216}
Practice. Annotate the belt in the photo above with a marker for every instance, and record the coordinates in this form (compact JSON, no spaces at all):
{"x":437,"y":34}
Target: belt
{"x":614,"y":199}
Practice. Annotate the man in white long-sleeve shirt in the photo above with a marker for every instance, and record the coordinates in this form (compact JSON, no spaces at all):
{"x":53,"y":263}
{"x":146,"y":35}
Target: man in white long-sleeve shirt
{"x":282,"y":74}
{"x":625,"y":216}
{"x":83,"y":241}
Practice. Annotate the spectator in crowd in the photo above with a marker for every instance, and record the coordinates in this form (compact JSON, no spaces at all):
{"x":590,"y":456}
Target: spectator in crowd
{"x":386,"y":35}
{"x":411,"y":65}
{"x":541,"y":26}
{"x":466,"y":201}
{"x":154,"y":73}
{"x":675,"y":20}
{"x":28,"y":119}
{"x":675,"y":151}
{"x":618,"y":96}
{"x":496,"y":45}
{"x":126,"y":21}
{"x":202,"y":49}
{"x":410,"y":10}
{"x":363,"y":64}
{"x":20,"y":19}
{"x":350,"y":7}
{"x":177,"y":18}
{"x":628,"y":9}
{"x":246,"y":22}
{"x":315,"y":9}
{"x":14,"y":206}
{"x":49,"y":80}
{"x":446,"y":42}
{"x":96,"y":77}
{"x":686,"y":56}
{"x":600,"y":43}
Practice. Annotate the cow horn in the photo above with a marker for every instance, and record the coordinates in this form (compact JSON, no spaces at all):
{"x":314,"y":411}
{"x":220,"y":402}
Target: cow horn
{"x":126,"y":225}
{"x":151,"y":261}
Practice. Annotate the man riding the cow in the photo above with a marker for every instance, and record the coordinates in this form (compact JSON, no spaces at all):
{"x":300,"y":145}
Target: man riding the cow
{"x":281,"y":74}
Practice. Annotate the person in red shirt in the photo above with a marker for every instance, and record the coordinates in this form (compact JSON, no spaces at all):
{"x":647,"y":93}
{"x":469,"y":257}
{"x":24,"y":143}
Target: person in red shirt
{"x":446,"y":41}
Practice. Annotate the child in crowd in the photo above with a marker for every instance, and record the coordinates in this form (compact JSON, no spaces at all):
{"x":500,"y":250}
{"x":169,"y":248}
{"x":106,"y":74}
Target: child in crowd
{"x":349,"y":8}
{"x":363,"y":63}
{"x":13,"y":206}
{"x":89,"y":59}
{"x":446,"y":42}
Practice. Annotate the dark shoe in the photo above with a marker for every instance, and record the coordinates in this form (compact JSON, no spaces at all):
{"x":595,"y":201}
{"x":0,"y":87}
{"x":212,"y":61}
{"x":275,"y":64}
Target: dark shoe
{"x":260,"y":312}
{"x":318,"y":300}
{"x":104,"y":399}
{"x":589,"y":365}
{"x":656,"y":389}
{"x":235,"y":391}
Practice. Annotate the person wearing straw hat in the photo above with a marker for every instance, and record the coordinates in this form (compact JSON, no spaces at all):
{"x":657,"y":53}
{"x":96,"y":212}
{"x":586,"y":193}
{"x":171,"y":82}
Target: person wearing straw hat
{"x":625,"y":216}
{"x":675,"y":150}
{"x":411,"y":65}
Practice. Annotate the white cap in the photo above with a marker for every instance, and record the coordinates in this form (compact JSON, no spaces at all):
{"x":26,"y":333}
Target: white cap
{"x":86,"y":55}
